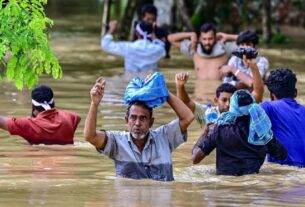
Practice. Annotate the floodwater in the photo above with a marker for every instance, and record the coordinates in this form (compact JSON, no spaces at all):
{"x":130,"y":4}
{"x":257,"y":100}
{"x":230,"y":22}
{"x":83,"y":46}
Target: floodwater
{"x":78,"y":176}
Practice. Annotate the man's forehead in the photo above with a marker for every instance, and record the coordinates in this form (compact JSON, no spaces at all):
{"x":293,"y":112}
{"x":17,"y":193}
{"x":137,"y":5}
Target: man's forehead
{"x":208,"y":33}
{"x":138,"y":110}
{"x":225,"y":95}
{"x":151,"y":15}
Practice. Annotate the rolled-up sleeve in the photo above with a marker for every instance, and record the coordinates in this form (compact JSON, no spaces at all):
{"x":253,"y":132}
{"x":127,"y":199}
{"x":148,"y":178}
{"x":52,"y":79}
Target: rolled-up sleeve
{"x":199,"y":113}
{"x":116,"y":48}
{"x":172,"y":133}
{"x":185,"y":48}
{"x":111,"y":148}
{"x":230,"y":47}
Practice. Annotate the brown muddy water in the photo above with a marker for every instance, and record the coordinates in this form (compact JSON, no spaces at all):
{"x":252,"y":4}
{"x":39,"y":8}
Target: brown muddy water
{"x":78,"y":176}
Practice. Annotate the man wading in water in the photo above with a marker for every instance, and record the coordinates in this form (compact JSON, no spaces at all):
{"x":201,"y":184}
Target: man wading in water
{"x":242,"y":138}
{"x":208,"y":55}
{"x":140,"y":153}
{"x":48,"y":125}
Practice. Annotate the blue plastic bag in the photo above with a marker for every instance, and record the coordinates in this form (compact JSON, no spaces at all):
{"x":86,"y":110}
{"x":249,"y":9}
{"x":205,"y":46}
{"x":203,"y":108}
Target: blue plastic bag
{"x":152,"y":91}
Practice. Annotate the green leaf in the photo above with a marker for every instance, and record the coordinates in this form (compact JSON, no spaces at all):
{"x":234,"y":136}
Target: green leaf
{"x":23,"y":34}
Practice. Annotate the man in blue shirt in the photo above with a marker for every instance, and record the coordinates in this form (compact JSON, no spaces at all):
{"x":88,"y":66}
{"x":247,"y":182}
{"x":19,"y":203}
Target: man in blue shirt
{"x":287,"y":116}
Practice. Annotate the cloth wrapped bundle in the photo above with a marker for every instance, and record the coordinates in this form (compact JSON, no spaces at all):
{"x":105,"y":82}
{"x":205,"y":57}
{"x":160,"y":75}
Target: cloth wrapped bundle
{"x":153,"y":90}
{"x":260,"y":132}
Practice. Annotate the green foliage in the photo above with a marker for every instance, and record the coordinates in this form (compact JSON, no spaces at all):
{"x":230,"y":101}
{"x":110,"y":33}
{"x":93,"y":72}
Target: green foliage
{"x":279,"y":38}
{"x":23,"y":38}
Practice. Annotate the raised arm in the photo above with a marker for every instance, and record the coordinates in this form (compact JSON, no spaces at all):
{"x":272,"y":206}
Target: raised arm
{"x":96,"y":138}
{"x":119,"y":48}
{"x":255,"y":82}
{"x":177,"y":38}
{"x":183,"y":112}
{"x":241,"y":76}
{"x":224,"y":37}
{"x":258,"y":83}
{"x":180,"y":80}
{"x":3,"y":124}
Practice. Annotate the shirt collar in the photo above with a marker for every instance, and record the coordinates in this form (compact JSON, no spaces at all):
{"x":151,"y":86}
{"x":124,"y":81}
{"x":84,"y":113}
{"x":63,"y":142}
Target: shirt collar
{"x":149,"y":140}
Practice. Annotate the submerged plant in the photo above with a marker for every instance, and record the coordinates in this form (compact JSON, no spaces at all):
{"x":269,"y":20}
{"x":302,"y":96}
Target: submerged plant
{"x":25,"y":52}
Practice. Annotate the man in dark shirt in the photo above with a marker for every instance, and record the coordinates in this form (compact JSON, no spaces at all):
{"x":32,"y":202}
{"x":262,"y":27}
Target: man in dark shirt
{"x":242,"y":138}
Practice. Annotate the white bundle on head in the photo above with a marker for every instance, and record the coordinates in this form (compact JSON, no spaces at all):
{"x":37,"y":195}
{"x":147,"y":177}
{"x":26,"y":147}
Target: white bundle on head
{"x":45,"y":104}
{"x":144,"y":34}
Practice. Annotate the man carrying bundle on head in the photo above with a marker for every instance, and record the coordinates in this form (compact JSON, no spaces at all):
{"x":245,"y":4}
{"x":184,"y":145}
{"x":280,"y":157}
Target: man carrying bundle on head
{"x":141,"y":56}
{"x":140,"y":152}
{"x":48,"y":125}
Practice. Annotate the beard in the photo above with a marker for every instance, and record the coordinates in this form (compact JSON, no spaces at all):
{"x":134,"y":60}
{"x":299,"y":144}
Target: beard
{"x":138,"y":135}
{"x":206,"y":51}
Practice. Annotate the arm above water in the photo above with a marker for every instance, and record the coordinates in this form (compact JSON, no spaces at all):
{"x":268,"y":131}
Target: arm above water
{"x":184,"y":114}
{"x":258,"y":84}
{"x":3,"y":124}
{"x":180,"y":80}
{"x":276,"y":149}
{"x":96,"y":138}
{"x":204,"y":145}
{"x":224,"y":37}
{"x":119,"y":48}
{"x":177,"y":38}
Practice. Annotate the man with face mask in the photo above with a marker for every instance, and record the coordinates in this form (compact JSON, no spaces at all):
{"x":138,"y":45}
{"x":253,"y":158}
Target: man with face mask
{"x":48,"y":125}
{"x":141,"y":56}
{"x":208,"y":55}
{"x":140,"y":153}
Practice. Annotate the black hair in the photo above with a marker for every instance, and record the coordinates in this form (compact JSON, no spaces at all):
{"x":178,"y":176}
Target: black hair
{"x":247,"y":36}
{"x":225,"y":87}
{"x":244,"y":98}
{"x":282,"y":83}
{"x":141,"y":104}
{"x":161,"y":32}
{"x":42,"y":94}
{"x":148,"y":8}
{"x":208,"y":27}
{"x":146,"y":27}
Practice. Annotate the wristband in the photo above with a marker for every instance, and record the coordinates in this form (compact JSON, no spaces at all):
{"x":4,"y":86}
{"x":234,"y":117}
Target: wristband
{"x":236,"y":72}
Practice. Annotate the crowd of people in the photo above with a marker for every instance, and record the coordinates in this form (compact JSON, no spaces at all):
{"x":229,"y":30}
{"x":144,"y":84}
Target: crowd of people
{"x":244,"y":131}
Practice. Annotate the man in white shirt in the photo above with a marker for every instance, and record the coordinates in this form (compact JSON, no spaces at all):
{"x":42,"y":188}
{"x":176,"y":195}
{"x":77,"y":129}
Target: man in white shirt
{"x":241,"y":75}
{"x":141,"y":56}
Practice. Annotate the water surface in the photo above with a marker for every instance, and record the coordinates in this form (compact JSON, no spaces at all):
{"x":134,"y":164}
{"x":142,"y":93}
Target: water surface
{"x":78,"y":176}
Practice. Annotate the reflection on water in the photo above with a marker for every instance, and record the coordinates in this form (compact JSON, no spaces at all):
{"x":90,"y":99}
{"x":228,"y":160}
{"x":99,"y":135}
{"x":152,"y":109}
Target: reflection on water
{"x":78,"y":175}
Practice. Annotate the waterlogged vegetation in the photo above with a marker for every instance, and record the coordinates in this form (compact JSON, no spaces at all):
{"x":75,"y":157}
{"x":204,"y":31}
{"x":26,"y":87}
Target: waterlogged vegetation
{"x":25,"y":52}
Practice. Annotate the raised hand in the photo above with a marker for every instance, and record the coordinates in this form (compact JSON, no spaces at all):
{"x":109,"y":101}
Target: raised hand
{"x":112,"y":26}
{"x":226,"y":69}
{"x":251,"y":63}
{"x":97,"y":91}
{"x":222,"y":37}
{"x":181,"y":78}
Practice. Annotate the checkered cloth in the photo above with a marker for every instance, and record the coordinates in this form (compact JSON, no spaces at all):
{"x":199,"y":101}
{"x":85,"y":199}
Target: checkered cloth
{"x":260,"y":132}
